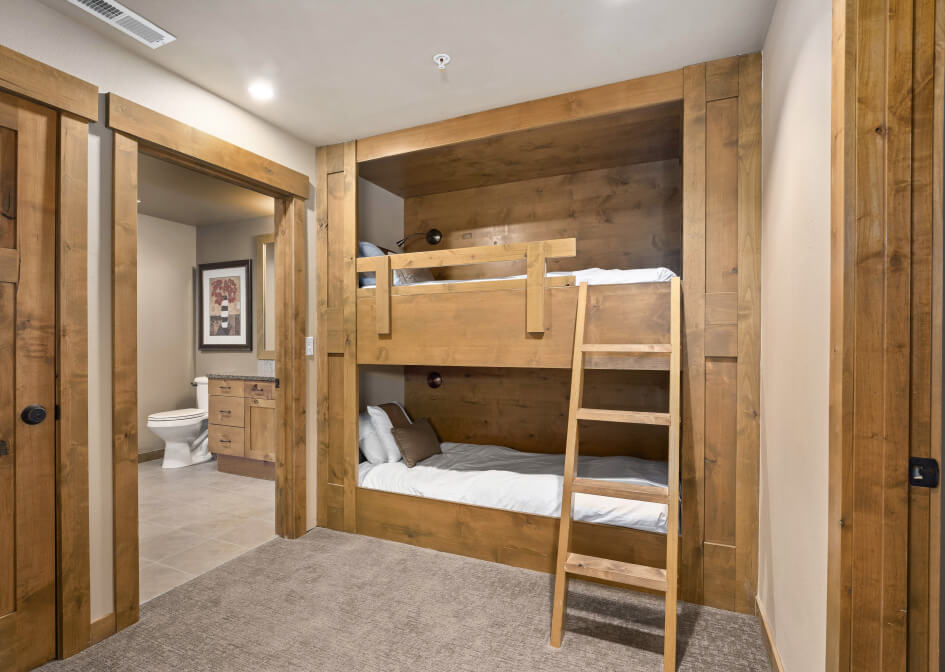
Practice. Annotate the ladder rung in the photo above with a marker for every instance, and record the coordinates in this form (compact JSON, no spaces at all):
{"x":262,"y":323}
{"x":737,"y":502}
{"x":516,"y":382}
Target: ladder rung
{"x":632,"y":417}
{"x":627,"y":347}
{"x":639,"y":492}
{"x":639,"y":576}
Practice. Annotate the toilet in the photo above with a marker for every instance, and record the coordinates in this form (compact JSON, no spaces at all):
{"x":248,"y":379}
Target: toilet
{"x":184,"y":431}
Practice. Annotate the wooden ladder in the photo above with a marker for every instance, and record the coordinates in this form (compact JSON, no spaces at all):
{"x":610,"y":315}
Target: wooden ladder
{"x":623,"y":573}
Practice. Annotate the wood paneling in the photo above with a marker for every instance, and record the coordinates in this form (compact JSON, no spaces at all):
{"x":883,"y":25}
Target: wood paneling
{"x":9,"y":264}
{"x":720,"y":453}
{"x":32,"y":79}
{"x":632,"y":136}
{"x":693,"y":387}
{"x":125,"y":377}
{"x":102,"y":628}
{"x":351,"y":401}
{"x":625,"y":217}
{"x":748,"y":401}
{"x":721,"y":79}
{"x":721,"y":208}
{"x":719,"y":571}
{"x":602,"y":100}
{"x":488,"y":328}
{"x":509,"y":537}
{"x":72,"y":471}
{"x":213,"y":154}
{"x":527,"y":409}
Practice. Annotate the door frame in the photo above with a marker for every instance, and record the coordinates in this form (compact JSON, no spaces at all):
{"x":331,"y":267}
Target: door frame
{"x":885,"y":333}
{"x":76,"y":102}
{"x":138,"y":129}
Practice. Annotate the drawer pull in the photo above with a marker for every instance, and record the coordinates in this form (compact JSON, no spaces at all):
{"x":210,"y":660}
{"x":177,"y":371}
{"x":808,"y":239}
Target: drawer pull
{"x":225,"y":411}
{"x":224,"y":440}
{"x":224,"y":387}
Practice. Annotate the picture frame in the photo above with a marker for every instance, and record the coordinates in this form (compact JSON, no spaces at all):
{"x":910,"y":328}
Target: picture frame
{"x":225,"y":300}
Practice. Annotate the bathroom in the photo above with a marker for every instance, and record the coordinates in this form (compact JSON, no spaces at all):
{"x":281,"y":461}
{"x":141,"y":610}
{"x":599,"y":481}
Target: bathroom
{"x":206,"y":373}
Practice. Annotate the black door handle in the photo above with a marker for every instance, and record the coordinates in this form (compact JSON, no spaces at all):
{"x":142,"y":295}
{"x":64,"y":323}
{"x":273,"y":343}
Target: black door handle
{"x":33,"y":414}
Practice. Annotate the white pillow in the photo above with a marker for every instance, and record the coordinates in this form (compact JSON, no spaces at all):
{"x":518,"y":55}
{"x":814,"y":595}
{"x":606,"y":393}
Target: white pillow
{"x":366,"y":249}
{"x":382,"y":426}
{"x":369,"y":442}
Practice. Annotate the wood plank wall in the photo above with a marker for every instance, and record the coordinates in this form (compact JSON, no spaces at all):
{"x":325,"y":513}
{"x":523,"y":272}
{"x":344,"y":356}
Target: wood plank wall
{"x":625,"y":217}
{"x":700,"y":216}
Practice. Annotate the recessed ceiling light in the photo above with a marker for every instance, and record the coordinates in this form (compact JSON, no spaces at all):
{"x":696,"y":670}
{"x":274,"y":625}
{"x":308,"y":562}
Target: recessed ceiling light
{"x":261,"y":90}
{"x":441,"y":61}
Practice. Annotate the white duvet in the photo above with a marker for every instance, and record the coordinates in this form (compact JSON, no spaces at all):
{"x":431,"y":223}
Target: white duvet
{"x":592,"y":276}
{"x":503,"y":478}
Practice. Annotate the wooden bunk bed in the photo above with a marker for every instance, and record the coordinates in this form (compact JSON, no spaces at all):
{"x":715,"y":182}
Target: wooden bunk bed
{"x":658,"y":171}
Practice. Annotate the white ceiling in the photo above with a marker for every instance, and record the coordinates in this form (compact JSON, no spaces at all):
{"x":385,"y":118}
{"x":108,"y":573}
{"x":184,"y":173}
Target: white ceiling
{"x":345,"y":69}
{"x":171,"y":192}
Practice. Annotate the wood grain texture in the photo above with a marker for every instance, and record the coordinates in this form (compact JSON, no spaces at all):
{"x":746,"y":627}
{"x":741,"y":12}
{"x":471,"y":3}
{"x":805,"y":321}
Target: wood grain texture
{"x":464,"y":256}
{"x":720,"y":455}
{"x":721,"y":78}
{"x":625,"y":217}
{"x":102,"y":628}
{"x":351,"y":401}
{"x":719,"y":571}
{"x":125,"y":377}
{"x":629,"y":137}
{"x":749,"y":332}
{"x":322,"y":397}
{"x":9,"y":265}
{"x":30,"y":78}
{"x":693,"y":386}
{"x":608,"y":99}
{"x":721,"y":208}
{"x":487,"y":328}
{"x":203,"y":149}
{"x":527,"y":409}
{"x":72,"y":471}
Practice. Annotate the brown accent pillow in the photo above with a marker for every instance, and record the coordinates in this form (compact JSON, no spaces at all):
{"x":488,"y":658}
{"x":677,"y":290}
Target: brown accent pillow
{"x":416,"y":442}
{"x":397,"y":415}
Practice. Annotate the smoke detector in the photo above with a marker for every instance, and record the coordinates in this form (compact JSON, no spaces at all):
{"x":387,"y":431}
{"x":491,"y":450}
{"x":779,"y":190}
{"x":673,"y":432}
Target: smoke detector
{"x":441,"y":60}
{"x":118,"y":16}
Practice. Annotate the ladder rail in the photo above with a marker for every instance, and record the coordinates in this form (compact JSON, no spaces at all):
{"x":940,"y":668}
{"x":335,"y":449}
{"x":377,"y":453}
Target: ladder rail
{"x":672,"y":513}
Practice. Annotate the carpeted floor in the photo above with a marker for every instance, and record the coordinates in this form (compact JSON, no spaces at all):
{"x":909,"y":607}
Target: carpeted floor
{"x":334,"y":601}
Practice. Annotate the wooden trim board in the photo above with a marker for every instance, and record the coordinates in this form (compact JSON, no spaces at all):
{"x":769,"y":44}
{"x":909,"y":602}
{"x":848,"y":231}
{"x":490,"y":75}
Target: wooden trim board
{"x":151,"y":456}
{"x":203,"y":149}
{"x":642,"y":92}
{"x":773,"y":656}
{"x":102,"y":628}
{"x":24,"y":76}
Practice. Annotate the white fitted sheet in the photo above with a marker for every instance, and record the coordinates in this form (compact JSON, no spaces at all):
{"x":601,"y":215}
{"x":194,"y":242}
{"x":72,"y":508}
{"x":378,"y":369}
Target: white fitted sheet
{"x":503,"y":478}
{"x":592,"y":276}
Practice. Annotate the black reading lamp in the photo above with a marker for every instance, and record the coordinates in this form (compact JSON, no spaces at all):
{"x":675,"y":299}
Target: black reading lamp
{"x":433,"y":237}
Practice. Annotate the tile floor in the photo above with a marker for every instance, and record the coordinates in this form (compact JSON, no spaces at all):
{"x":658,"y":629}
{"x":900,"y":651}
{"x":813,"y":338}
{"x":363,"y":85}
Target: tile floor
{"x":191,"y":520}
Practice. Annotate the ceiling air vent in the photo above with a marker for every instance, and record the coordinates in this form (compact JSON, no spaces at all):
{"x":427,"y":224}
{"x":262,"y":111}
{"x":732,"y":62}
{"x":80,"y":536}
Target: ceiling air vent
{"x":122,"y":18}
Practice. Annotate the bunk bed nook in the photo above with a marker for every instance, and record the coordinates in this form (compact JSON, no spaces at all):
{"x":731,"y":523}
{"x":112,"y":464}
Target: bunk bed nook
{"x":470,"y":319}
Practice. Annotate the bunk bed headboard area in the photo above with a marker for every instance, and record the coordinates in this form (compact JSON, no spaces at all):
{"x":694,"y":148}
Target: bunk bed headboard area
{"x":621,"y":187}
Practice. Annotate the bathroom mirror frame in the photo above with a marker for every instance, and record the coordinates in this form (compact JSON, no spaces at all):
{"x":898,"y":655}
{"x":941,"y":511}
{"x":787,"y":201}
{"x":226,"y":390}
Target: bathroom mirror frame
{"x":138,"y":129}
{"x":262,"y":289}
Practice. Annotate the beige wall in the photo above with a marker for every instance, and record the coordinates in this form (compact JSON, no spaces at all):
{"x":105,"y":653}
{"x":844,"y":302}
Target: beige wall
{"x":792,"y":582}
{"x":46,"y":35}
{"x":233,"y":242}
{"x":167,"y":254}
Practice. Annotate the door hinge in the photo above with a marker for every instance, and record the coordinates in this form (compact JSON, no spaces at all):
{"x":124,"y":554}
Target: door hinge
{"x":923,"y":472}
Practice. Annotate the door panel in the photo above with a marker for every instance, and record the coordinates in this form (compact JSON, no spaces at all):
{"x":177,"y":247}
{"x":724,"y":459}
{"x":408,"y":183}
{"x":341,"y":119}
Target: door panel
{"x":27,"y":377}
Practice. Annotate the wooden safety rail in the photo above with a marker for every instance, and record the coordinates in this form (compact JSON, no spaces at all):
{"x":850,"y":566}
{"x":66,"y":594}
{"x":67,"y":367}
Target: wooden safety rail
{"x":534,"y":254}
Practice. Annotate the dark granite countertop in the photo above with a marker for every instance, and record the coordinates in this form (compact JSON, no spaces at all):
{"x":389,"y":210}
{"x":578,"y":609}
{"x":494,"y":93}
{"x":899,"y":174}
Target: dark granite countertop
{"x":233,"y":376}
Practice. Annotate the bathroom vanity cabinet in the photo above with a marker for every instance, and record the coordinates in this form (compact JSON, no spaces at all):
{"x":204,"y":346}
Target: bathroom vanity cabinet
{"x":242,"y":425}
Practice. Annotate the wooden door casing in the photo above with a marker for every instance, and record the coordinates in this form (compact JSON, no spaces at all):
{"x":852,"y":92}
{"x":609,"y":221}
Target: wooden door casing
{"x":27,"y":360}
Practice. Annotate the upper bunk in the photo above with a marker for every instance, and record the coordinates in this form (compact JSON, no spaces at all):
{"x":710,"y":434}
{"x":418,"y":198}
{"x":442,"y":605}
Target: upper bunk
{"x":520,"y":219}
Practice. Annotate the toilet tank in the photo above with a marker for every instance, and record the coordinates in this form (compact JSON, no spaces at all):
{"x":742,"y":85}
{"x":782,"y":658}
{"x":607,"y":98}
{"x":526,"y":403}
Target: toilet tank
{"x":200,"y":382}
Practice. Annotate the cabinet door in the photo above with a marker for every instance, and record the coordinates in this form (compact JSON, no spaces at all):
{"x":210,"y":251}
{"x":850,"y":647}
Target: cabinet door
{"x":260,"y":430}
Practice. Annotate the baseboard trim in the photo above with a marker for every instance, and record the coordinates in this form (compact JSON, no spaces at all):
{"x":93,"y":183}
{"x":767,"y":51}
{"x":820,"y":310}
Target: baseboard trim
{"x":773,"y":655}
{"x":103,"y":628}
{"x":152,"y":455}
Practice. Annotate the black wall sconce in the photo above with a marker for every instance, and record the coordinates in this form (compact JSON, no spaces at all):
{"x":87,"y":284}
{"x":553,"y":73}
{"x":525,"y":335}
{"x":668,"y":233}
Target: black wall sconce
{"x":433,"y":237}
{"x":434,"y":379}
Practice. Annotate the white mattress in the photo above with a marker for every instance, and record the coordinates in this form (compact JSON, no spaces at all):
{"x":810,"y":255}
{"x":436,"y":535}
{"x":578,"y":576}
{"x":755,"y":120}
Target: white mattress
{"x":592,"y":276}
{"x":503,"y":478}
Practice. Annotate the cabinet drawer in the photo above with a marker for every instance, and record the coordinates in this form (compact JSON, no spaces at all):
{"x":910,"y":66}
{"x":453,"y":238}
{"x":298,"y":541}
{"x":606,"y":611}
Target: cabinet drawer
{"x":254,"y":389}
{"x":226,"y":440}
{"x":225,"y":388}
{"x":226,"y":411}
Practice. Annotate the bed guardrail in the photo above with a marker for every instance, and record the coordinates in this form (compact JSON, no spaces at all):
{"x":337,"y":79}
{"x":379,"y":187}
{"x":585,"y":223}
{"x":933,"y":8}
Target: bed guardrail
{"x":535,"y":254}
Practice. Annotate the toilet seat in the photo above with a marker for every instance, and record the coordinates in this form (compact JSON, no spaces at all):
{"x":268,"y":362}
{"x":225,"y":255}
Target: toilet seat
{"x":177,"y":416}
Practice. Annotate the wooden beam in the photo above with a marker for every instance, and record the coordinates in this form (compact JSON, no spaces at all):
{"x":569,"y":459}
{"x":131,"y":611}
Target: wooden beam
{"x":323,"y":397}
{"x":125,"y":377}
{"x":30,"y":78}
{"x":72,"y":473}
{"x":203,"y":149}
{"x":607,"y":99}
{"x":382,"y":295}
{"x":535,"y":288}
{"x":351,"y":399}
{"x":748,"y":399}
{"x":462,"y":256}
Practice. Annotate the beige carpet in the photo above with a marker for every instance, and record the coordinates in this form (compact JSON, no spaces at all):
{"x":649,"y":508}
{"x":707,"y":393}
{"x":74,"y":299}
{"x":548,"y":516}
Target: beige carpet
{"x":333,"y":601}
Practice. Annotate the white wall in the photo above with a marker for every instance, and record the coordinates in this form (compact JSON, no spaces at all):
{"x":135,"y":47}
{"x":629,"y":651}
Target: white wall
{"x":48,"y":36}
{"x":231,"y":242}
{"x":795,"y":280}
{"x":167,"y":254}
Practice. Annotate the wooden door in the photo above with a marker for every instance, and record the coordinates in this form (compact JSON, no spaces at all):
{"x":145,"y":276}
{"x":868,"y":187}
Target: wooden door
{"x":27,"y":380}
